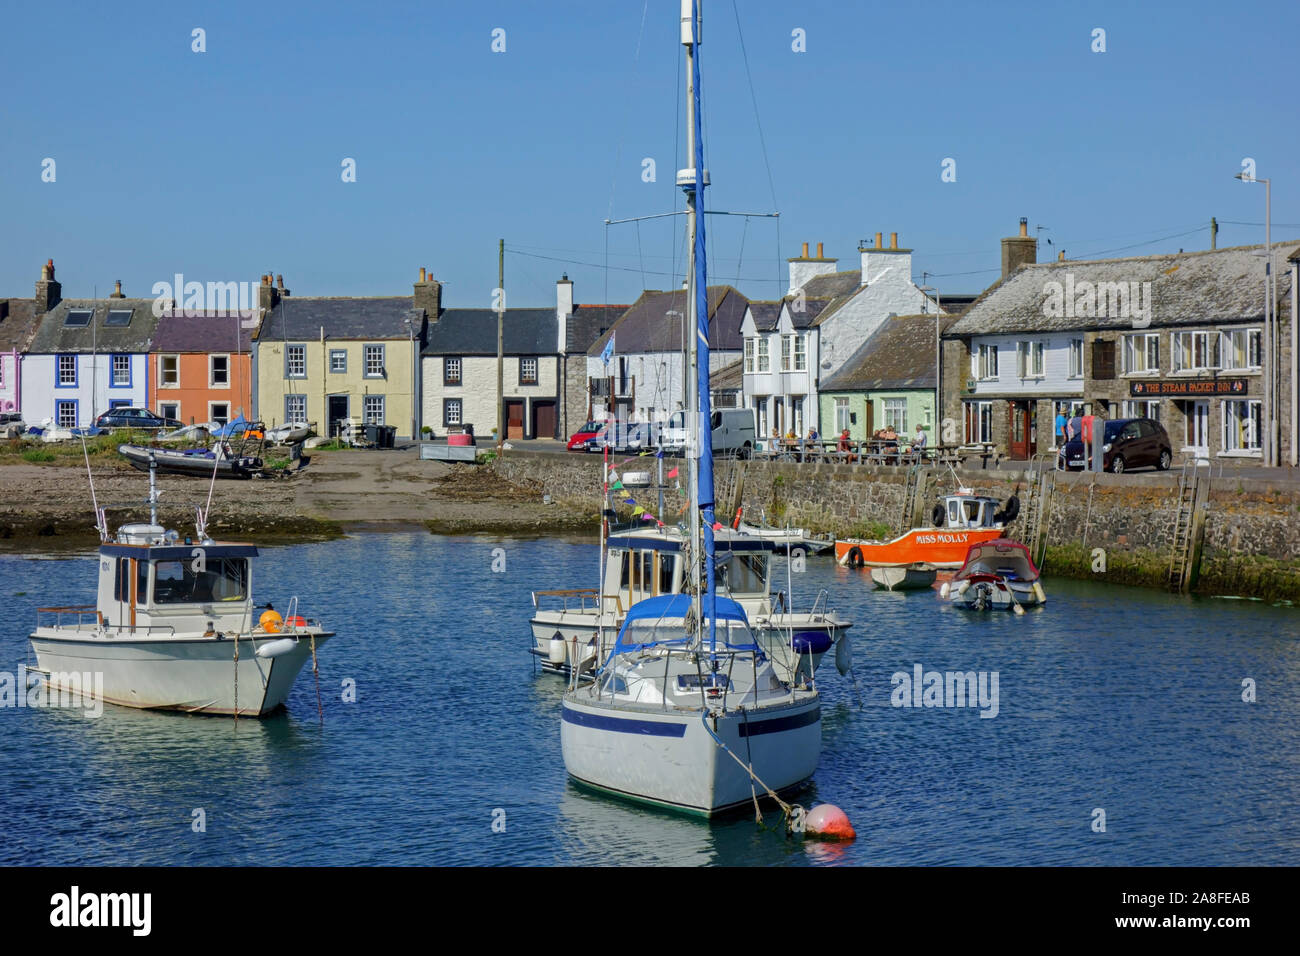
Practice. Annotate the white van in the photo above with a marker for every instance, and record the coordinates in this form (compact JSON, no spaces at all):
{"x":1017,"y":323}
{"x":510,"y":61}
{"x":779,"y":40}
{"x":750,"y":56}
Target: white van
{"x":733,"y":432}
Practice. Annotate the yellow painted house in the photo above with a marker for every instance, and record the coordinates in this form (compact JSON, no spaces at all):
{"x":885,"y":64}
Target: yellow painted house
{"x":324,"y":360}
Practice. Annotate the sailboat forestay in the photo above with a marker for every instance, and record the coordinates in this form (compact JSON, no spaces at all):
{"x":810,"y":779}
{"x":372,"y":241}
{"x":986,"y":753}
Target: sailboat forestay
{"x":687,"y":712}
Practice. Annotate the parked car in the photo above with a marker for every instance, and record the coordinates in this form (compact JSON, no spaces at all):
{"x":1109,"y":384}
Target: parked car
{"x":578,"y":440}
{"x":129,"y":417}
{"x":1127,"y":443}
{"x":624,"y":437}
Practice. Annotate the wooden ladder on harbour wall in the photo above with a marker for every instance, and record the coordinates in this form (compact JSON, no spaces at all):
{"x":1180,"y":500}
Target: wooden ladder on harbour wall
{"x":1188,"y":524}
{"x":918,"y":482}
{"x":1037,"y":511}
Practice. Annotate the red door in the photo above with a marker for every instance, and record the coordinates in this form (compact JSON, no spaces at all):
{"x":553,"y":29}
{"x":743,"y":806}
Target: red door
{"x":1020,"y":431}
{"x":514,"y":419}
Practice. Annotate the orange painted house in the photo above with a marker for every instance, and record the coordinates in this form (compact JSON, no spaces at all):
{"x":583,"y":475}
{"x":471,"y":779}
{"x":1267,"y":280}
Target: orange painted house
{"x":200,"y":367}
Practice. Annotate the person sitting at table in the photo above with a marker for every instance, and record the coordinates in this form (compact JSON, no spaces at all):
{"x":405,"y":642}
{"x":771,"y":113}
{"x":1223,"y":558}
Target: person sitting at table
{"x":890,"y":439}
{"x":812,"y":434}
{"x":918,"y":442}
{"x":846,"y":446}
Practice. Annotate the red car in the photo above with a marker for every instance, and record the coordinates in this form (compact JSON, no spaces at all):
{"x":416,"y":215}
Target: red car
{"x":578,"y":442}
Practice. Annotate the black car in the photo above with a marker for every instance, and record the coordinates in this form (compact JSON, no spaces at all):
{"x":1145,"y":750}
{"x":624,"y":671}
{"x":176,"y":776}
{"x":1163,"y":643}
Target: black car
{"x":1127,"y":443}
{"x":128,"y":417}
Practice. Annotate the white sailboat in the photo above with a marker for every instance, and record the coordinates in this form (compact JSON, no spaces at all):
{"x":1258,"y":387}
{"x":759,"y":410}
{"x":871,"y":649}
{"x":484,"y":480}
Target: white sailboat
{"x":687,"y":712}
{"x":173,"y":627}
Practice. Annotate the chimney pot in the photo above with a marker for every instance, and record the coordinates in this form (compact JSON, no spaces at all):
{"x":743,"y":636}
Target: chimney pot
{"x":279,"y":282}
{"x":805,"y":251}
{"x":1061,"y":256}
{"x":421,"y":273}
{"x":893,"y":240}
{"x":1024,"y":226}
{"x":819,"y":251}
{"x":880,"y":240}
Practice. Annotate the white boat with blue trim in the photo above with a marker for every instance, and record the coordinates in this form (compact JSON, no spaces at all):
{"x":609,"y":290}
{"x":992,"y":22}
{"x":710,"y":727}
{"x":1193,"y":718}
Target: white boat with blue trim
{"x":687,"y":712}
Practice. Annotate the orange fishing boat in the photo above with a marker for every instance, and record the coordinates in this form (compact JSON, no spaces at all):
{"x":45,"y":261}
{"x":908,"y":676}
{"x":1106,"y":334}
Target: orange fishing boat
{"x":957,"y":522}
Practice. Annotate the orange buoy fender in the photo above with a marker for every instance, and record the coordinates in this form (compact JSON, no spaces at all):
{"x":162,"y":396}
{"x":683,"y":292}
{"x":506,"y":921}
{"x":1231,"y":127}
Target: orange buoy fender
{"x":828,"y":822}
{"x":270,"y":621}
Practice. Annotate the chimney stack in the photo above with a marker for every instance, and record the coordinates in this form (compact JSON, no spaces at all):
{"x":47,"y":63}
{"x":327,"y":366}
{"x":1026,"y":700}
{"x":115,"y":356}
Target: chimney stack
{"x":563,"y":309}
{"x":268,"y":296}
{"x":1019,"y":250}
{"x":48,"y":290}
{"x":805,"y":267}
{"x":878,"y":261}
{"x":117,"y":291}
{"x":428,"y":295}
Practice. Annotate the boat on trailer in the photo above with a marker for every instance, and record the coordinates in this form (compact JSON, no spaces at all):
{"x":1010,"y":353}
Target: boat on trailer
{"x":174,"y":626}
{"x":220,"y":459}
{"x":957,"y":521}
{"x":998,"y":574}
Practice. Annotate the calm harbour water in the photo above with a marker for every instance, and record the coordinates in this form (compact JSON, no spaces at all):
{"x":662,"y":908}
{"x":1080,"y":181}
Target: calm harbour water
{"x":1110,"y":697}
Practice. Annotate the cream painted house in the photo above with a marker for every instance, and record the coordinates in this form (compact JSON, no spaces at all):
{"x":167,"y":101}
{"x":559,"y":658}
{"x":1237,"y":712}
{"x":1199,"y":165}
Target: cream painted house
{"x":324,"y":360}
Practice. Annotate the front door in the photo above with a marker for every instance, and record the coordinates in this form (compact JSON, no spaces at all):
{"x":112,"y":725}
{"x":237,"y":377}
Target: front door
{"x":337,"y":412}
{"x":1198,"y":428}
{"x":515,"y":419}
{"x":1020,"y":431}
{"x":869,"y":417}
{"x":543,"y":419}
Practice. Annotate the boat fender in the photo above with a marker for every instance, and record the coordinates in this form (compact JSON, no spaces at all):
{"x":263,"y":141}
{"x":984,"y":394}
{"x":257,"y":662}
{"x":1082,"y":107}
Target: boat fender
{"x":1038,"y":592}
{"x":277,"y":648}
{"x":962,"y":588}
{"x":937,"y":515}
{"x":556,"y":651}
{"x":843,"y":655}
{"x":270,"y":621}
{"x":811,"y":642}
{"x":855,"y":558}
{"x":1008,"y":514}
{"x":943,"y":590}
{"x":828,"y":822}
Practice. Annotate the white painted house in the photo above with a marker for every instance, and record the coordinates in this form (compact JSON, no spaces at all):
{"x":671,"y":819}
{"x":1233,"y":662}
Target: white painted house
{"x":645,"y":380}
{"x":86,"y":356}
{"x":824,"y":319}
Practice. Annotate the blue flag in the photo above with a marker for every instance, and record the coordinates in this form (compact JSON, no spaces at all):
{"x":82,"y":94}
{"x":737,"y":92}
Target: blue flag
{"x":608,"y":351}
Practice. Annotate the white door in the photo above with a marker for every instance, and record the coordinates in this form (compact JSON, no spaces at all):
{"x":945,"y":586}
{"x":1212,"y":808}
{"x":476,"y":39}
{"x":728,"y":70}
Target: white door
{"x":1198,"y":429}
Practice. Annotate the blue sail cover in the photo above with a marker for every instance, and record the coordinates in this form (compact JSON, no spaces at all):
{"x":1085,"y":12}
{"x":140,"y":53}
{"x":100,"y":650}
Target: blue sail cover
{"x":237,"y":427}
{"x":705,"y":484}
{"x":660,"y":621}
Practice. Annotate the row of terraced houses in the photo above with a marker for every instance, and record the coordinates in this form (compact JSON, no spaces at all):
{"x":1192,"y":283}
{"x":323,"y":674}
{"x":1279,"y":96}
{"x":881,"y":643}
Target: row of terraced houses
{"x":1179,"y":337}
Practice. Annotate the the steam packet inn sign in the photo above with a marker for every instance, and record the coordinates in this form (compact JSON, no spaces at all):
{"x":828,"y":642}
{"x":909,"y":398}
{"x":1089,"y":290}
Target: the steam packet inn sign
{"x":1184,"y":387}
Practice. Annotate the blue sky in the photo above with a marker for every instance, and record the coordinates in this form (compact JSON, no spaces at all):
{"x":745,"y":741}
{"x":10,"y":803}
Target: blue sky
{"x":226,"y":164}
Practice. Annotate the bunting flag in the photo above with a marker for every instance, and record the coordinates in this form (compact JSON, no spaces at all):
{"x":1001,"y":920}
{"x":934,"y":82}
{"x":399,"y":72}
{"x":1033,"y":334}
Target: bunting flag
{"x":717,"y":526}
{"x":629,"y":501}
{"x":638,"y":510}
{"x":618,"y":485}
{"x":673,"y":473}
{"x":649,"y":517}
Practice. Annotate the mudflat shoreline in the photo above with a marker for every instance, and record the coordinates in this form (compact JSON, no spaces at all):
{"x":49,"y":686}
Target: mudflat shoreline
{"x":48,"y":505}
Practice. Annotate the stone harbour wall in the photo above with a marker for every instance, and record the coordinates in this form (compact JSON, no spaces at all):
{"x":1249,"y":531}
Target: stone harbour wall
{"x":1251,"y":543}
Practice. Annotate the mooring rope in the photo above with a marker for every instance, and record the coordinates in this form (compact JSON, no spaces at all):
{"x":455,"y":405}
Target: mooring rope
{"x":787,"y":809}
{"x":315,"y":673}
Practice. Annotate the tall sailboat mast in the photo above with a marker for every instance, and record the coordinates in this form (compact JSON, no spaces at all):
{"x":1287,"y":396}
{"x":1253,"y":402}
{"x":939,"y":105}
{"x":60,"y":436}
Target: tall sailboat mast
{"x":693,"y":181}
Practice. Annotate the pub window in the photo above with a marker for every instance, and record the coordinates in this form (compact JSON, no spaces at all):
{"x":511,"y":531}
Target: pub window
{"x":1103,"y":359}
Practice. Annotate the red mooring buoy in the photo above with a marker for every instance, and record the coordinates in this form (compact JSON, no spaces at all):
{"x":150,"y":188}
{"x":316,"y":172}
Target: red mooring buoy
{"x":828,"y":822}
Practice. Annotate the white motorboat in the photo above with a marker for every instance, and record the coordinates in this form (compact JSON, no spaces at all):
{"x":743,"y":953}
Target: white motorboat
{"x":787,"y":539}
{"x":290,"y":433}
{"x":580,"y":625}
{"x":174,"y":627}
{"x":687,"y":712}
{"x":652,"y":726}
{"x":904,"y":577}
{"x":997,"y":574}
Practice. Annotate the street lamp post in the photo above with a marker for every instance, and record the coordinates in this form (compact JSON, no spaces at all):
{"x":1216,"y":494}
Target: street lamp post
{"x":1269,"y":409}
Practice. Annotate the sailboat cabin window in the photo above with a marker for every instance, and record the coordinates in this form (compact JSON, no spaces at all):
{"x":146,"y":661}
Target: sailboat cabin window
{"x":217,"y":579}
{"x":742,"y":573}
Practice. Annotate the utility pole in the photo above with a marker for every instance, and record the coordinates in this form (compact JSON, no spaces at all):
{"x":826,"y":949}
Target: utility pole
{"x":501,"y":361}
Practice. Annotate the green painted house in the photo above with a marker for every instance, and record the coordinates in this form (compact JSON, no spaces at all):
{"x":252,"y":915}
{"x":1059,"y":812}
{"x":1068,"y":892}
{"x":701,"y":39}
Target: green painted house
{"x":889,"y":380}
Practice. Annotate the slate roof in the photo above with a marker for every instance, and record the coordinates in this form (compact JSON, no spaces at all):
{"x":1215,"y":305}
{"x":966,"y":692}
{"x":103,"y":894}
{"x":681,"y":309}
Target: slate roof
{"x":728,"y":378}
{"x":182,"y":332}
{"x":831,"y":285}
{"x":53,"y":336}
{"x":588,"y":323}
{"x":17,"y":326}
{"x":1187,"y":288}
{"x":369,"y":317}
{"x":899,"y":354}
{"x":474,"y":332}
{"x":767,"y":313}
{"x":647,"y":327}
